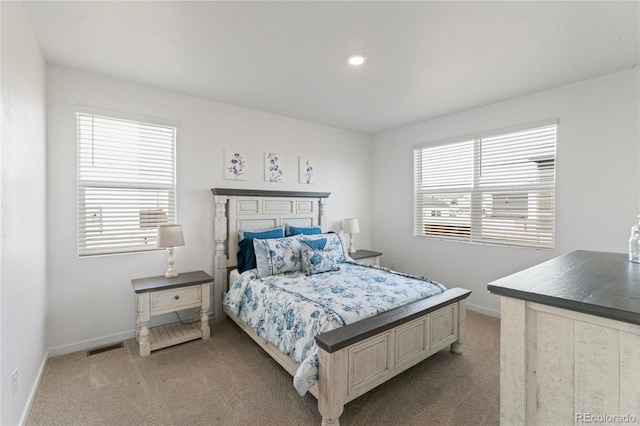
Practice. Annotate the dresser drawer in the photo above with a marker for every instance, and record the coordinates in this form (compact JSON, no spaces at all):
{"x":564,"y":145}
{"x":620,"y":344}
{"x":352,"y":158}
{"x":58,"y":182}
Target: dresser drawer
{"x":174,"y":299}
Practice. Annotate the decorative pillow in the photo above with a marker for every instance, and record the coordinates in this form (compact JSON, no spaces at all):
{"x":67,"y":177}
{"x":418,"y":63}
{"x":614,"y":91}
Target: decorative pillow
{"x":277,"y":232}
{"x":306,"y":230}
{"x":345,"y":246}
{"x":318,"y":261}
{"x":335,"y":241}
{"x":317,"y":244}
{"x":277,"y":255}
{"x":246,"y":258}
{"x":246,"y":255}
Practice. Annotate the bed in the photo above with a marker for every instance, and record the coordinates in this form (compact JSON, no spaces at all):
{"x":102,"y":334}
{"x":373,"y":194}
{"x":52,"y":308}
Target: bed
{"x":352,"y":355}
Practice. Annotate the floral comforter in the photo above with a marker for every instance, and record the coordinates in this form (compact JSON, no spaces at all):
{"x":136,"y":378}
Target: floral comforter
{"x":289,"y":309}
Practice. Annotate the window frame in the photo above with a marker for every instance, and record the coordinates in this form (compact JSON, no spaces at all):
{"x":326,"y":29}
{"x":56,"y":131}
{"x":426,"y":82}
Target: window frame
{"x":473,"y":198}
{"x":142,"y":236}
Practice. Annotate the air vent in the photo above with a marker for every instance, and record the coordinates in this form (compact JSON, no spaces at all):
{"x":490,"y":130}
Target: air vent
{"x":101,"y":349}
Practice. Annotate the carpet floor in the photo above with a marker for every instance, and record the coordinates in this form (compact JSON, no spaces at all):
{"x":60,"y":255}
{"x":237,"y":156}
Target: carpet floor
{"x":230,"y":380}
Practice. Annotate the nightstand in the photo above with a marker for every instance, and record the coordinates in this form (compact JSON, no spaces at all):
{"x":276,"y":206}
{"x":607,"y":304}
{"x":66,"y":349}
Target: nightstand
{"x":366,"y":256}
{"x":160,"y":295}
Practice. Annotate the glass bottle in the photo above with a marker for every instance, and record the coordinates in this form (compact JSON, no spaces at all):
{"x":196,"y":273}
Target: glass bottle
{"x":634,"y":243}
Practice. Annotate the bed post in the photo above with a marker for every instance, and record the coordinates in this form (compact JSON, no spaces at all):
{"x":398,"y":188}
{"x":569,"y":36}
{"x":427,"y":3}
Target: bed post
{"x":332,"y":373}
{"x":220,"y":258}
{"x":458,"y":346}
{"x":322,"y":215}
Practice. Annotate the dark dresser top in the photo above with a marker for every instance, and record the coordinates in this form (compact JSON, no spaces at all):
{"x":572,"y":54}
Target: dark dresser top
{"x":591,"y":282}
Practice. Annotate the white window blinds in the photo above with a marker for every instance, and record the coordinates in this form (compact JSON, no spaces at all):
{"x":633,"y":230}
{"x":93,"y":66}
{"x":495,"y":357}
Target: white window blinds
{"x":497,"y":189}
{"x":126,"y":184}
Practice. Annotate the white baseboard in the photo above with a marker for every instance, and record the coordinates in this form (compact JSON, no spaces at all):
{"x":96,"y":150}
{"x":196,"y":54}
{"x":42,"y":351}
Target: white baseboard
{"x":482,"y":310}
{"x":34,"y":390}
{"x":93,"y":343}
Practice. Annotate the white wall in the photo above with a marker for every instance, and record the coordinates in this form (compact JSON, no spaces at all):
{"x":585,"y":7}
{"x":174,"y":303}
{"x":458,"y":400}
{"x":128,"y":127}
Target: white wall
{"x":597,"y":190}
{"x":91,"y":301}
{"x":23,"y":292}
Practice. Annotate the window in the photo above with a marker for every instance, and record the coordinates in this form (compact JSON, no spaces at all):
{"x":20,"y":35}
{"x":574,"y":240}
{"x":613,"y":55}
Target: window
{"x":126,"y":184}
{"x":497,"y":189}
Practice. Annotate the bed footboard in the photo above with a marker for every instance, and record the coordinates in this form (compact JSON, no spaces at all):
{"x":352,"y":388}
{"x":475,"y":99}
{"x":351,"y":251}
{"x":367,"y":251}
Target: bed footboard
{"x":357,"y":358}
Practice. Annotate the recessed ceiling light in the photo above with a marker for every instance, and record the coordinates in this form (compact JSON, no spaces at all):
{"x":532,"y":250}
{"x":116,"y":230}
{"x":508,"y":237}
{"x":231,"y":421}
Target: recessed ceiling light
{"x":357,"y":59}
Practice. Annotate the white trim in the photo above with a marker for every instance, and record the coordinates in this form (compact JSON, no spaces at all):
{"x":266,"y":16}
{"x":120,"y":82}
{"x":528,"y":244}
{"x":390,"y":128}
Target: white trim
{"x":34,"y":390}
{"x":92,"y":343}
{"x":484,"y":311}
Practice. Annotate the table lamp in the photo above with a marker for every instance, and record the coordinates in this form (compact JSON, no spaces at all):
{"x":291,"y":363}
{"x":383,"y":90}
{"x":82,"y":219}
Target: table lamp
{"x":351,"y":226}
{"x":169,"y":237}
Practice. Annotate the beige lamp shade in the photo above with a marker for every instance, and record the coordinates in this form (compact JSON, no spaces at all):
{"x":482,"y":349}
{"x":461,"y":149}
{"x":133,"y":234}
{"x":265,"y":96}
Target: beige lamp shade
{"x":170,"y":236}
{"x":350,"y":226}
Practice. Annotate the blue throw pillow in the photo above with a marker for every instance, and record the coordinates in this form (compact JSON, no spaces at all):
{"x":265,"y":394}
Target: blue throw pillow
{"x":316,"y":244}
{"x":246,"y":255}
{"x":269,"y":233}
{"x":308,"y":230}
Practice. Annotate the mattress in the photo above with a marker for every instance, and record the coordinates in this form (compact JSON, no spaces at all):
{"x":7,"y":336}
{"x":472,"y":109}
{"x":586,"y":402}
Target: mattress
{"x":234,"y":275}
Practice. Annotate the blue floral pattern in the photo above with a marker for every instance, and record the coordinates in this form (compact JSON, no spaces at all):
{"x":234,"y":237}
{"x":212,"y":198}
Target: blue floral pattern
{"x":289,"y":309}
{"x":236,"y":164}
{"x":308,"y":171}
{"x":280,"y":255}
{"x":274,"y":171}
{"x":317,"y":261}
{"x":277,"y":255}
{"x":335,"y":241}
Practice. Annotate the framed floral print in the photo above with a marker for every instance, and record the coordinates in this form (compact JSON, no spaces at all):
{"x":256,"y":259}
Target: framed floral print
{"x":273,"y":171}
{"x":235,"y":164}
{"x":307,"y":172}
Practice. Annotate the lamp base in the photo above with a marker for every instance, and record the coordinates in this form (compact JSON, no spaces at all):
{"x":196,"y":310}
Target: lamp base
{"x":351,"y":248}
{"x":171,"y":273}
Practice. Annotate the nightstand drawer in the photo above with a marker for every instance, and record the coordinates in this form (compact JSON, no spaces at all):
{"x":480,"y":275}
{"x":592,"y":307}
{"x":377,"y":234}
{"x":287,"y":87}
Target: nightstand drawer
{"x":369,"y":261}
{"x":175,"y":299}
{"x":367,"y":257}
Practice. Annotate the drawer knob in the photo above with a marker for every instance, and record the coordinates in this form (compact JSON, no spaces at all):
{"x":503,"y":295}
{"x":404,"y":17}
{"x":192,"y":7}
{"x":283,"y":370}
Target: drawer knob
{"x":177,"y":296}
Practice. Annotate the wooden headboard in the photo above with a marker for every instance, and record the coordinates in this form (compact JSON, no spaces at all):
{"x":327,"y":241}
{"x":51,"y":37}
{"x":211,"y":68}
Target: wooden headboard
{"x":247,"y":209}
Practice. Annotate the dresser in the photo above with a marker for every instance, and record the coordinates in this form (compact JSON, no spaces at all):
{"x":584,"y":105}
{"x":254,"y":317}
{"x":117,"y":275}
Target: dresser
{"x":570,"y":341}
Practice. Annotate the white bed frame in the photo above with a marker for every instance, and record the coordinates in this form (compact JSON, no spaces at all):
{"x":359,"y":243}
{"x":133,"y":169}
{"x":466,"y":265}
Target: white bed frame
{"x":358,"y":357}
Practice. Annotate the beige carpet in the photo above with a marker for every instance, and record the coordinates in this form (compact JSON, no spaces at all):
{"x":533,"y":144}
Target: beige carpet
{"x":229,"y":380}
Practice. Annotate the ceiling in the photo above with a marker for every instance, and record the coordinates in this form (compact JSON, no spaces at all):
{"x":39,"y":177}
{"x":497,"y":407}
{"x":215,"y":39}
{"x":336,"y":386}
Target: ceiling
{"x":424,"y":59}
